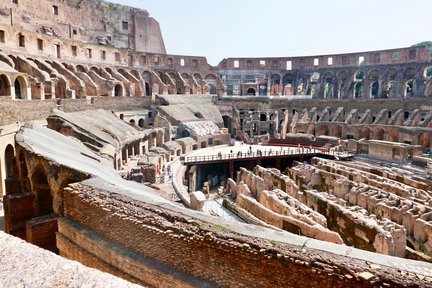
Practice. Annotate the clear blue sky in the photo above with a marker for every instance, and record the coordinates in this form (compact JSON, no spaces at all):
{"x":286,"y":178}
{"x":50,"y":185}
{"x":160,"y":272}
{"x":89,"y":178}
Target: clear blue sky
{"x":219,"y":29}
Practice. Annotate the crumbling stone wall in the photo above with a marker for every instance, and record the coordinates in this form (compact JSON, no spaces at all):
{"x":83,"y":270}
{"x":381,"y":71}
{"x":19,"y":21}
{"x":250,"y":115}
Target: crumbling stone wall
{"x":353,"y":224}
{"x":356,"y":188}
{"x":22,"y":111}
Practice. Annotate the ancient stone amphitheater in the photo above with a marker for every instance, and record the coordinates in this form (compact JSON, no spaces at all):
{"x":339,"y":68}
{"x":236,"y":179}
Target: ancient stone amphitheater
{"x":168,"y":172}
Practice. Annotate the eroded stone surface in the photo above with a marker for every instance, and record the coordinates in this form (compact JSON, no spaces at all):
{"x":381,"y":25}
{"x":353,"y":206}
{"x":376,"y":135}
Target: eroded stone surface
{"x":25,"y":265}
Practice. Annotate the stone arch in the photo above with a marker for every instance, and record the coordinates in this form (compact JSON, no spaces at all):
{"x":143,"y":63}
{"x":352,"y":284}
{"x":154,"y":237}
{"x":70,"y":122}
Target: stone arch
{"x":374,"y":89}
{"x":323,"y":130}
{"x":141,"y":122}
{"x":427,"y":72}
{"x":69,"y":67}
{"x":81,"y":68}
{"x":95,"y":69}
{"x":336,"y":131}
{"x":147,"y":80}
{"x":135,"y":73}
{"x":122,"y":72}
{"x":275,"y":84}
{"x":358,"y":75}
{"x":5,"y":85}
{"x":328,"y":79}
{"x":408,"y":88}
{"x":393,"y":135}
{"x":211,"y":80}
{"x":409,"y":73}
{"x":358,"y":90}
{"x":373,"y":76}
{"x":311,"y":129}
{"x":210,"y":76}
{"x":132,"y":122}
{"x":118,"y":90}
{"x":198,"y":77}
{"x":391,"y":89}
{"x":11,"y":168}
{"x":186,"y":77}
{"x":341,"y":89}
{"x":364,"y":133}
{"x":288,"y":84}
{"x":227,"y":120}
{"x":378,"y":133}
{"x":109,"y":70}
{"x":424,"y":140}
{"x":251,"y":92}
{"x":41,"y":190}
{"x":391,"y":73}
{"x":20,"y":86}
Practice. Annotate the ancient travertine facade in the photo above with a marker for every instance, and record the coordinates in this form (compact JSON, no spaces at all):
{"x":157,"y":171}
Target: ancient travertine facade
{"x":169,"y":172}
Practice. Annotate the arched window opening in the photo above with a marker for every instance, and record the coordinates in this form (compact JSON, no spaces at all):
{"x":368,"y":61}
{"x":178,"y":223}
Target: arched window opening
{"x":118,"y":90}
{"x":364,"y":133}
{"x":428,"y":72}
{"x":358,"y":90}
{"x":227,"y":123}
{"x":4,"y":86}
{"x":141,"y":122}
{"x":327,"y":90}
{"x":374,"y":89}
{"x":10,"y":163}
{"x":251,"y":92}
{"x":409,"y":87}
{"x":147,"y":89}
{"x":17,"y":89}
{"x":359,"y":75}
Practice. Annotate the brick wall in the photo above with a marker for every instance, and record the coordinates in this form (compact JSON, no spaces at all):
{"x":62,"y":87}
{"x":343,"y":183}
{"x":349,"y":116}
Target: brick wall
{"x":208,"y":253}
{"x":18,"y":209}
{"x":40,"y":231}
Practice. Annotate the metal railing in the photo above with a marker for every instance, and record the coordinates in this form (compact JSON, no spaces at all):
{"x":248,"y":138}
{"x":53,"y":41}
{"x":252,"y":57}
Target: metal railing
{"x":302,"y":151}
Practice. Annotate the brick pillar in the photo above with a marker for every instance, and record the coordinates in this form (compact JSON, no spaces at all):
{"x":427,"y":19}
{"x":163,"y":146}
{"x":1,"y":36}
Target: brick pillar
{"x":18,"y":208}
{"x":41,"y":231}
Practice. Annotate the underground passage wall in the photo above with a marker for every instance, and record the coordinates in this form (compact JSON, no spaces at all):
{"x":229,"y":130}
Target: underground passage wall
{"x":164,"y":246}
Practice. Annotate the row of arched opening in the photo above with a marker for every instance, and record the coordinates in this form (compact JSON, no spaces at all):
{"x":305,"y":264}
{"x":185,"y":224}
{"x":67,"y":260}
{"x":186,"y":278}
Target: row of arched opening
{"x":377,"y":133}
{"x":19,"y":85}
{"x":390,"y":83}
{"x":141,"y":122}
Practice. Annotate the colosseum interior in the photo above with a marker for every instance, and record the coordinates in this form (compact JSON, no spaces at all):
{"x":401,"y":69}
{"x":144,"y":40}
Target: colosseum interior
{"x":165,"y":171}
